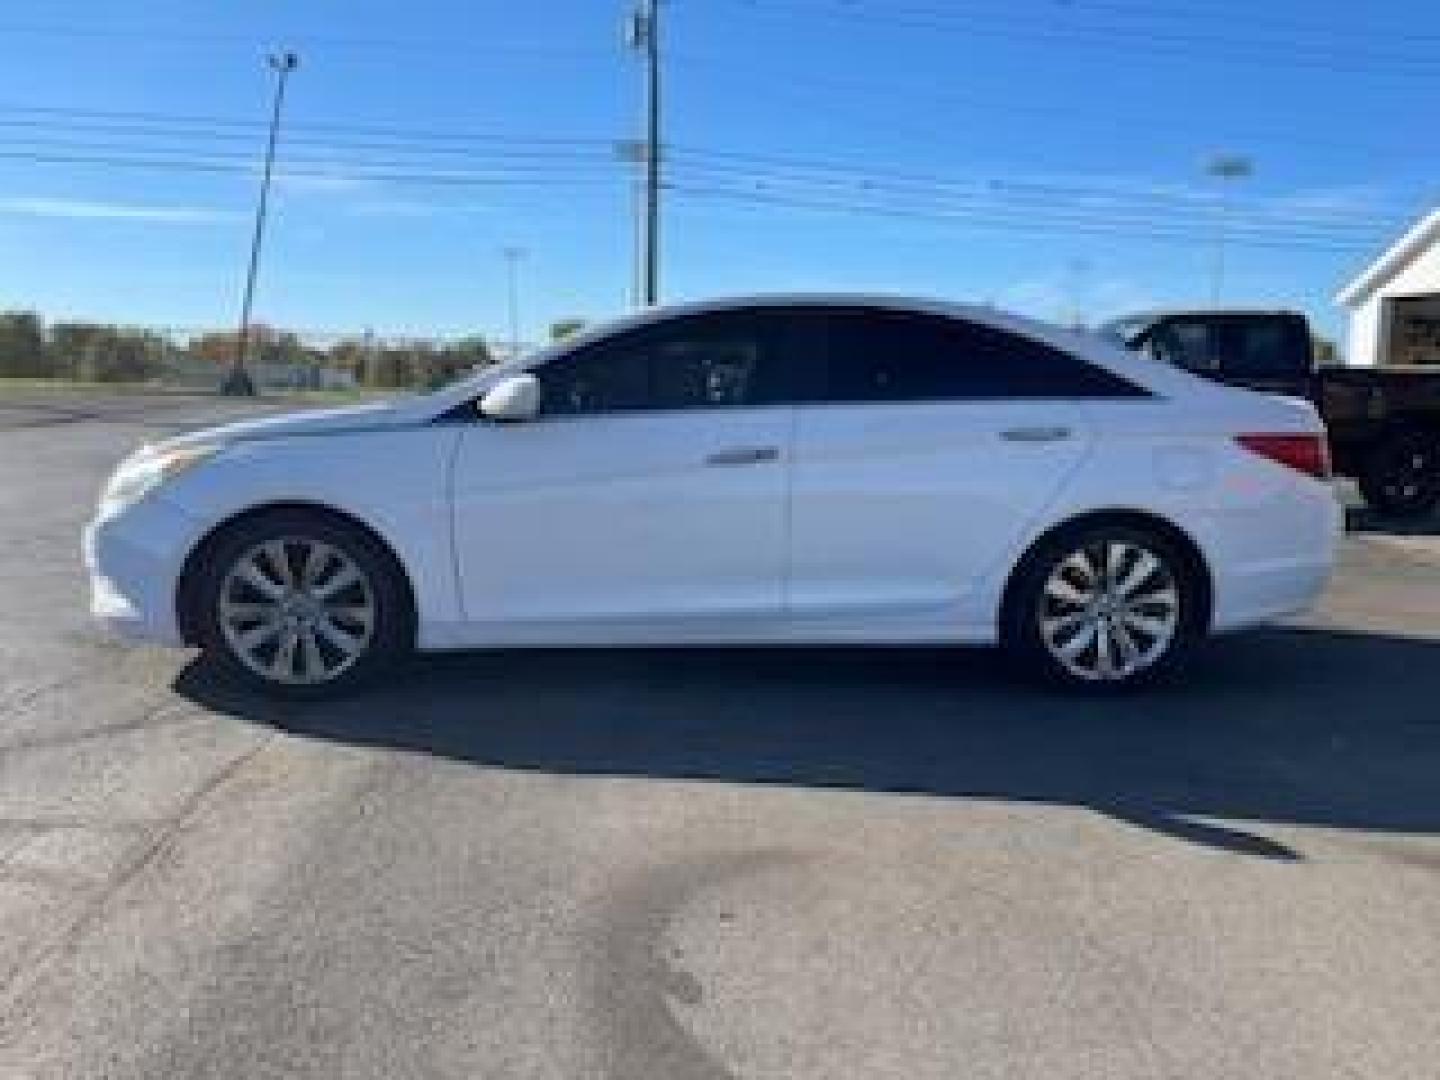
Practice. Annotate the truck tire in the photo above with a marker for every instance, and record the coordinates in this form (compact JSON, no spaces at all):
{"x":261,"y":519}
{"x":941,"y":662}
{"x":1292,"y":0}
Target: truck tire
{"x":1401,"y":476}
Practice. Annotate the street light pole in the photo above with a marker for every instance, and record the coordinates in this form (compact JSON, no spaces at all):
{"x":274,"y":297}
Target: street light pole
{"x":239,"y":382}
{"x":513,"y":255}
{"x":1225,"y":168}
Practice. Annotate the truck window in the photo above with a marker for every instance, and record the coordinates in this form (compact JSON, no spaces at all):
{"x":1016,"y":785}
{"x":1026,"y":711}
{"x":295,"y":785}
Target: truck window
{"x":1260,"y":348}
{"x":1188,"y":345}
{"x":1237,"y":346}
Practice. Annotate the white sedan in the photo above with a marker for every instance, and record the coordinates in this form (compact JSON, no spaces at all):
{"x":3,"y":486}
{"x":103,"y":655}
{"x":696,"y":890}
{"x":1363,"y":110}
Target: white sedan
{"x":799,"y":469}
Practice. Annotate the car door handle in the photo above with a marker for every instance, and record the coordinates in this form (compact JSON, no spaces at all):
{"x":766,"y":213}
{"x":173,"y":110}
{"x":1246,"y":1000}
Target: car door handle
{"x":1036,"y":434}
{"x":744,"y":455}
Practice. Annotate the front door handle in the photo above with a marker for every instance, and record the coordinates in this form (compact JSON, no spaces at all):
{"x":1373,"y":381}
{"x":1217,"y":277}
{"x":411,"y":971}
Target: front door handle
{"x":744,"y":455}
{"x":1036,"y":434}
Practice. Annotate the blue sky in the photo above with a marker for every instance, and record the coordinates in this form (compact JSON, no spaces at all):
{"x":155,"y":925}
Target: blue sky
{"x":1044,"y":155}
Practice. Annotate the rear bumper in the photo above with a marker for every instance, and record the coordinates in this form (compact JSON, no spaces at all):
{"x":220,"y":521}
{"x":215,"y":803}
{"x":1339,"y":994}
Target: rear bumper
{"x":1272,"y":561}
{"x":134,"y":560}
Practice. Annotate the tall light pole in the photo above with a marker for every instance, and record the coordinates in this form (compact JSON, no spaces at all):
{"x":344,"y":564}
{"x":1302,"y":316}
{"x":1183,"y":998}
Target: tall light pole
{"x":645,"y":38}
{"x":513,"y":255}
{"x":1226,"y":168}
{"x":239,"y":381}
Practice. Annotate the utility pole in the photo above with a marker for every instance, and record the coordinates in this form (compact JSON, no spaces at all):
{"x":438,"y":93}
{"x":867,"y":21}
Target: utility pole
{"x":239,"y":381}
{"x":1225,"y":168}
{"x":513,"y":255}
{"x":645,"y":38}
{"x":632,"y":152}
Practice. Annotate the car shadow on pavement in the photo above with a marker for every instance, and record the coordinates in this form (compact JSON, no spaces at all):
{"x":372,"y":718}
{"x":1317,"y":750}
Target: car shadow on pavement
{"x":1285,"y":726}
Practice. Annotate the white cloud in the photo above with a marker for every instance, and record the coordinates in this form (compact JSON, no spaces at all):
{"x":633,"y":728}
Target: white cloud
{"x":88,"y":210}
{"x":1064,"y":297}
{"x":1040,"y":298}
{"x":321,"y":180}
{"x":411,"y":208}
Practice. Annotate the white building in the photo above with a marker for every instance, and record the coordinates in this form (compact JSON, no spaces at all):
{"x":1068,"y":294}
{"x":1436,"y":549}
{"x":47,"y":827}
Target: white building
{"x":1395,"y":304}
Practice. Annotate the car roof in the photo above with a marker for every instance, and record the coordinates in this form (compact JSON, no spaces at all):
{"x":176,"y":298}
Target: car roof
{"x":1091,"y":346}
{"x":986,"y":314}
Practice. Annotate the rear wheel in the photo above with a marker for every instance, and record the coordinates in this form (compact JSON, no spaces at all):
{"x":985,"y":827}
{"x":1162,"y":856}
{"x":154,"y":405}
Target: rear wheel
{"x":1401,"y":477}
{"x":298,"y":604}
{"x":1104,"y":607}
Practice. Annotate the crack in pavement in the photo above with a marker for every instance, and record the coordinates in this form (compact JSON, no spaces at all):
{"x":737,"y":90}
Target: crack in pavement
{"x":16,"y":984}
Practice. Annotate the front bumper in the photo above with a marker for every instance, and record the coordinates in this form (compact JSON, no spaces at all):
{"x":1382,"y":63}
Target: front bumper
{"x":134,"y":558}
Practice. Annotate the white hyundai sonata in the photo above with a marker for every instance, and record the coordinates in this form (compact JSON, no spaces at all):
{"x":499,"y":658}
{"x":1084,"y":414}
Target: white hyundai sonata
{"x":798,"y":469}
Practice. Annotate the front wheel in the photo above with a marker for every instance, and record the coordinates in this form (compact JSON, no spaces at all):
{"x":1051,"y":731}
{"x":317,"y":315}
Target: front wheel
{"x":298,"y":604}
{"x":1401,"y":477}
{"x":1103,"y":607}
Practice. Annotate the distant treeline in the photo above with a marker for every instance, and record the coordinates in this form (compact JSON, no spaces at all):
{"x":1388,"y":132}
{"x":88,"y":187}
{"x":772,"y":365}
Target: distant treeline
{"x":102,"y":352}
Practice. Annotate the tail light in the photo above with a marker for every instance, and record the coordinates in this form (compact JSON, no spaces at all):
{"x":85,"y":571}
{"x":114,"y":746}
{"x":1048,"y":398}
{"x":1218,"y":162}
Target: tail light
{"x":1309,"y":454}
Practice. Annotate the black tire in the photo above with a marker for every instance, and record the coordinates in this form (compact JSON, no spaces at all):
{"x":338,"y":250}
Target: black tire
{"x":388,"y":635}
{"x":1401,"y":476}
{"x":1030,"y":607}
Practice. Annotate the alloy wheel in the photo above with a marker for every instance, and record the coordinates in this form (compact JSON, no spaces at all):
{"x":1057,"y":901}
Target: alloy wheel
{"x":297,"y":611}
{"x":1109,"y":611}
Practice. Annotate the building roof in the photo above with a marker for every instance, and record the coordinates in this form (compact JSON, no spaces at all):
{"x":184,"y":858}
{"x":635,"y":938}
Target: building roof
{"x":1401,"y":254}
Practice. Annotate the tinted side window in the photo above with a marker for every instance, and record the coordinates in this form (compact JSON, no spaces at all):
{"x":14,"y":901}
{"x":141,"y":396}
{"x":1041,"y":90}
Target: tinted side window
{"x":597,"y":380}
{"x":902,"y":356}
{"x":713,"y":361}
{"x":705,"y":371}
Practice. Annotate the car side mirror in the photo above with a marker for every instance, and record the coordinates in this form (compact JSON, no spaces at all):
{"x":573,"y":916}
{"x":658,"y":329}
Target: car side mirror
{"x":514,"y":398}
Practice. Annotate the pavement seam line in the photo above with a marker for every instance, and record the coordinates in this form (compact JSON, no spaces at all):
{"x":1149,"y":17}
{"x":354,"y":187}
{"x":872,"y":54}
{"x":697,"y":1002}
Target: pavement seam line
{"x":171,"y":713}
{"x":28,"y":975}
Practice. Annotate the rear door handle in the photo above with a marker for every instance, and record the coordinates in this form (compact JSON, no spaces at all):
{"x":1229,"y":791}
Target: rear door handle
{"x":744,"y":455}
{"x":1036,"y":434}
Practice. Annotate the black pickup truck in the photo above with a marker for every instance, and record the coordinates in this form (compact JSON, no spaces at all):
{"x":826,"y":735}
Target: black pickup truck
{"x":1384,"y":422}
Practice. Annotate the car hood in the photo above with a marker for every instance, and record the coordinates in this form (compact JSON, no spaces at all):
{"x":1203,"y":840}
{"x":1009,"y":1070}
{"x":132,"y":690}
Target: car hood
{"x":368,"y":417}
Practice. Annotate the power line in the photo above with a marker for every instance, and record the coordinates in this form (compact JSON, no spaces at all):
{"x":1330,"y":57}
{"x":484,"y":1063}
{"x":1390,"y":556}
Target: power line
{"x":1036,"y":193}
{"x":1110,"y":204}
{"x":959,"y":12}
{"x":236,"y":129}
{"x":1277,"y":53}
{"x":546,"y":177}
{"x":389,"y":44}
{"x":880,"y":97}
{"x":381,"y":130}
{"x":325,"y":154}
{"x":1030,"y":223}
{"x":247,"y":138}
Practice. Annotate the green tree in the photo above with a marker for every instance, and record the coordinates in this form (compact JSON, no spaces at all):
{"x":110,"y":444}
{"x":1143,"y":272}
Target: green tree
{"x":564,"y":328}
{"x":130,"y":356}
{"x":1327,"y":353}
{"x":22,"y":345}
{"x":73,"y":348}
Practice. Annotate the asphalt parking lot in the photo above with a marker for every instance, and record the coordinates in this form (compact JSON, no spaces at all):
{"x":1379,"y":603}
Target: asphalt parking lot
{"x":709,"y":864}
